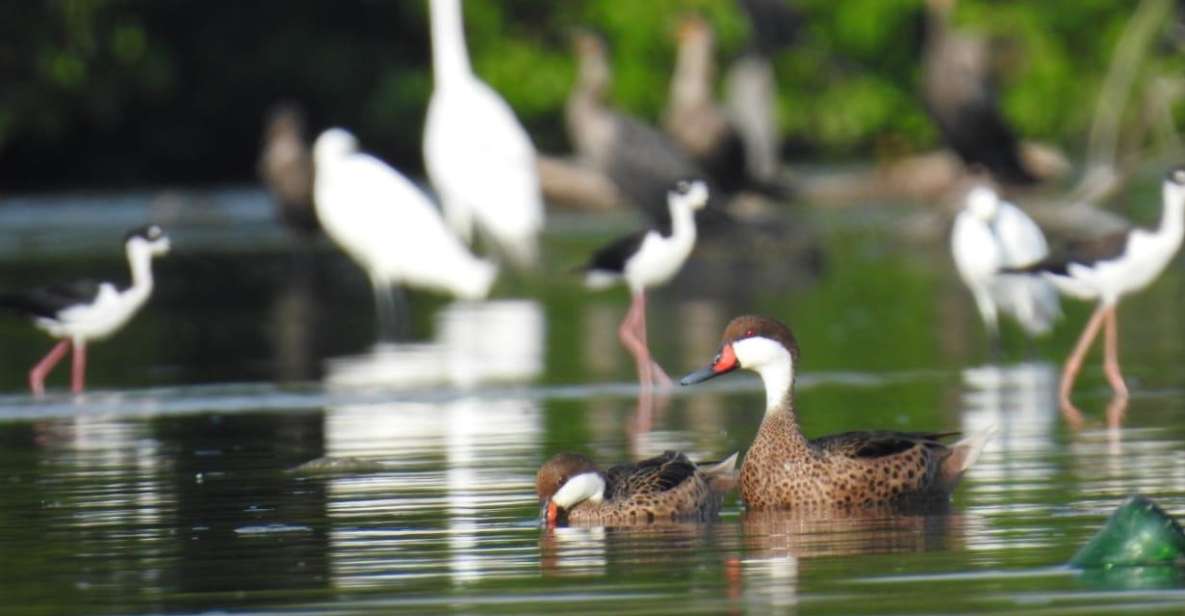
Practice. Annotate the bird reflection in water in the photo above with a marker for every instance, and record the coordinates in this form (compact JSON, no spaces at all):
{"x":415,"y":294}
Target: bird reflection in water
{"x":778,"y":545}
{"x":758,"y":559}
{"x":475,"y":343}
{"x":575,"y":550}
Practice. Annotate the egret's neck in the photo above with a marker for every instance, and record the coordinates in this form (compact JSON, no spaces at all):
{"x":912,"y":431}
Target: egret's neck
{"x":450,"y":61}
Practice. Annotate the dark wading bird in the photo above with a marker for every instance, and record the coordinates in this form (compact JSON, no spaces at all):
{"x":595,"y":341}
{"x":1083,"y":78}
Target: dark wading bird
{"x":87,"y":310}
{"x":701,"y":127}
{"x":785,"y":470}
{"x":666,"y":488}
{"x":961,"y":98}
{"x":751,"y":87}
{"x":642,"y":162}
{"x":1106,"y":269}
{"x":646,"y":259}
{"x":286,"y":168}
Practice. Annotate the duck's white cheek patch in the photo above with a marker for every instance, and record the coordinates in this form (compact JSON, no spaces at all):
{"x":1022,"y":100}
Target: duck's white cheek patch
{"x":582,"y":487}
{"x":752,"y":353}
{"x":773,"y":362}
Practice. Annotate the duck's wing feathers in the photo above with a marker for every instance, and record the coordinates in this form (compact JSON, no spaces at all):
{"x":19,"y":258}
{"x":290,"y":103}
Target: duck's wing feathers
{"x":880,"y":444}
{"x":51,"y":300}
{"x":651,"y":476}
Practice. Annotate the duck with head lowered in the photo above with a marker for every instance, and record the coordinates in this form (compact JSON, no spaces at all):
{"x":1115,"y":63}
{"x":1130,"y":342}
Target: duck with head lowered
{"x":786,"y":470}
{"x":665,"y":488}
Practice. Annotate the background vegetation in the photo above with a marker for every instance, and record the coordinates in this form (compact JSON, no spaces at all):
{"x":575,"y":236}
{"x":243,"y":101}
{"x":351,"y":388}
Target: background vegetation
{"x":116,"y":92}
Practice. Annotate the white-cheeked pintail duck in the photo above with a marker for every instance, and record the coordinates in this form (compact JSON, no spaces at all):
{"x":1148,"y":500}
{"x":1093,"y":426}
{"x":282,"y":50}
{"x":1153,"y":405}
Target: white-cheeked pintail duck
{"x":785,"y":470}
{"x":669,"y":487}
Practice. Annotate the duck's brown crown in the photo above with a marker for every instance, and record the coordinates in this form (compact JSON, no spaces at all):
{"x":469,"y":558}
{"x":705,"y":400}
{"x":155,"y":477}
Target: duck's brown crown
{"x":756,"y":326}
{"x":558,"y":470}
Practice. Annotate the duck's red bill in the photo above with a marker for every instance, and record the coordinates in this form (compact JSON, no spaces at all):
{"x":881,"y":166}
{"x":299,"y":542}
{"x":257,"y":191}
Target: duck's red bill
{"x":725,"y":362}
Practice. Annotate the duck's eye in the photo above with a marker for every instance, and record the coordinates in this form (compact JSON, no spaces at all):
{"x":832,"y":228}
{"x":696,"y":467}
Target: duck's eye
{"x":748,"y":332}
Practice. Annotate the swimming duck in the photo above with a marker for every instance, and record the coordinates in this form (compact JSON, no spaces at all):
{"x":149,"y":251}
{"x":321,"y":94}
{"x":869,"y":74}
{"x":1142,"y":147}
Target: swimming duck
{"x":669,"y":487}
{"x":785,"y":470}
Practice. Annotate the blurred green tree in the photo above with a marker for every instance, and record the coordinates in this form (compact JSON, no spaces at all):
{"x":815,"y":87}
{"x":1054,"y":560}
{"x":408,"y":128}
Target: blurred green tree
{"x":132,"y":91}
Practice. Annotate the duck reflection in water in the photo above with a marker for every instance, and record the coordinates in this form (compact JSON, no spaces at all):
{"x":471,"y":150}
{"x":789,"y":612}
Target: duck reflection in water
{"x":593,"y":550}
{"x":779,"y":545}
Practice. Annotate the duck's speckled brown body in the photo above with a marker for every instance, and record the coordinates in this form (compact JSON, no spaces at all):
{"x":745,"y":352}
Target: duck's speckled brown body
{"x":669,"y":487}
{"x":785,"y":470}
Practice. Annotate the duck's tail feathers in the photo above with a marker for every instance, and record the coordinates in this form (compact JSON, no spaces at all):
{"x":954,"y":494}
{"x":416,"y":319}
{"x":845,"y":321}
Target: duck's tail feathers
{"x":722,"y":476}
{"x":964,"y":453}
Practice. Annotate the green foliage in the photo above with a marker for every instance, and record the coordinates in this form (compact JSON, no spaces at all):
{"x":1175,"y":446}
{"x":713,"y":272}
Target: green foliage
{"x":160,"y":74}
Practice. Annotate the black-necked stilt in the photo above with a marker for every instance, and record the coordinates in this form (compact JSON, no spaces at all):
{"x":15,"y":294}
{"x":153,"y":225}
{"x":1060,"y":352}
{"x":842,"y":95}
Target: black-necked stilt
{"x":390,"y":227}
{"x":286,"y":168}
{"x":478,"y":156}
{"x":645,"y":259}
{"x":960,"y":97}
{"x":87,"y":310}
{"x":1106,"y":269}
{"x":990,"y":235}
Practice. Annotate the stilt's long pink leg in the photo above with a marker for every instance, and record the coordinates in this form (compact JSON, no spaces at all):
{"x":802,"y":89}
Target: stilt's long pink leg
{"x":658,"y":376}
{"x":1116,"y":410}
{"x":78,"y":370}
{"x":1111,"y":353}
{"x":1074,"y":363}
{"x":628,"y":333}
{"x":41,"y":370}
{"x":643,"y":420}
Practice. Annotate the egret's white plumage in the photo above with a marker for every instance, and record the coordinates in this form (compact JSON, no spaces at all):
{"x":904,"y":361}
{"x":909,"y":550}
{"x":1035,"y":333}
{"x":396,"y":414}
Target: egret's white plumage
{"x":991,"y":235}
{"x":479,"y":158}
{"x":386,"y":224}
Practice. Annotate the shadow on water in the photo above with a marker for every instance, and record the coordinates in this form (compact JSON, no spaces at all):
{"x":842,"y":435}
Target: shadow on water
{"x":169,"y":485}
